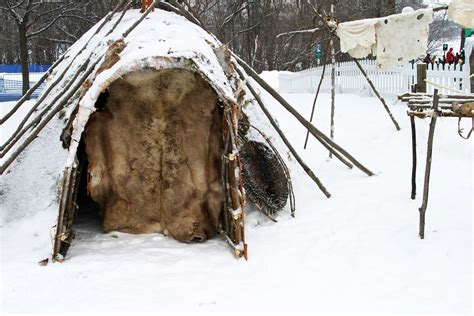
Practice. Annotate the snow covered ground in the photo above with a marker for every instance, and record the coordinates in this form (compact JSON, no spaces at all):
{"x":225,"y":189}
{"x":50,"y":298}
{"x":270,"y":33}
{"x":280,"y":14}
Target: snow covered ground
{"x":357,"y":252}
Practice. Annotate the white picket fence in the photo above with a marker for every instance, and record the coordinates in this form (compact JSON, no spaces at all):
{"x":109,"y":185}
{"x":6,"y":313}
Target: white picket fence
{"x":389,"y":83}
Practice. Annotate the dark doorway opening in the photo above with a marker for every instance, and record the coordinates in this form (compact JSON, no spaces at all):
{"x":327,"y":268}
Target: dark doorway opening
{"x":87,"y":217}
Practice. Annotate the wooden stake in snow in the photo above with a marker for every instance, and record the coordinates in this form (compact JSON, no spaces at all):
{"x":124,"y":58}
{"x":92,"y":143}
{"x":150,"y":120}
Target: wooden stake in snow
{"x":300,"y":161}
{"x":426,"y":184}
{"x":420,"y":87}
{"x":333,"y":81}
{"x":413,"y":170}
{"x":316,"y":97}
{"x":420,"y":78}
{"x":377,"y":94}
{"x":323,"y":139}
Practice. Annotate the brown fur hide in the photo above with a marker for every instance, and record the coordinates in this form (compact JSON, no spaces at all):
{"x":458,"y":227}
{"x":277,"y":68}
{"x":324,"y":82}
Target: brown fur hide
{"x":112,"y":55}
{"x":154,"y":150}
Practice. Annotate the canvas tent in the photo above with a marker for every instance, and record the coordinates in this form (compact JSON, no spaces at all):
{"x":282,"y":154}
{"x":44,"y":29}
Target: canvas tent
{"x":122,"y":47}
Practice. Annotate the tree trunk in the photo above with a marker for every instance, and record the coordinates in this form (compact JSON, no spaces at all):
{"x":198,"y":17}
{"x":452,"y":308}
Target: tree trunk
{"x":25,"y":74}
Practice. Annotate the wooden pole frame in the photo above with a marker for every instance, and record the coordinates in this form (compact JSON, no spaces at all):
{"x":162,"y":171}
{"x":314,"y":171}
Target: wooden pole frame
{"x":420,"y":87}
{"x":39,"y":120}
{"x":300,"y":161}
{"x":50,"y":70}
{"x":331,"y":24}
{"x":323,"y":139}
{"x":316,"y":97}
{"x":429,"y":155}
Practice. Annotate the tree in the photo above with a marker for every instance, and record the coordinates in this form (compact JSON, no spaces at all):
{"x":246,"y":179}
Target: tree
{"x":34,"y":18}
{"x":249,"y":27}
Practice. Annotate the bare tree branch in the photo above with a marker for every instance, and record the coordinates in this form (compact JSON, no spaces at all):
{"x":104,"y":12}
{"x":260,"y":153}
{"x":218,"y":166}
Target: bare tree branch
{"x":250,"y":28}
{"x":229,"y":18}
{"x":310,"y":31}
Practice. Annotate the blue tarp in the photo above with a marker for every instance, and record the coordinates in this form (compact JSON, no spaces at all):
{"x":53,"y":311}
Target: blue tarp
{"x":17,"y":68}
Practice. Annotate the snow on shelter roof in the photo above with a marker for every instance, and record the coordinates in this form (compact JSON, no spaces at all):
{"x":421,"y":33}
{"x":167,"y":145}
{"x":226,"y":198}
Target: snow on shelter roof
{"x":162,"y":40}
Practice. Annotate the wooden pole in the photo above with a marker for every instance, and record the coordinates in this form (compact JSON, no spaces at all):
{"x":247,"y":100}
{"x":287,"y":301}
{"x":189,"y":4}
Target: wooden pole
{"x":300,"y":161}
{"x":414,"y":158}
{"x":420,"y":78}
{"x":189,"y":14}
{"x":142,"y":17}
{"x":316,"y":98}
{"x":420,"y":87}
{"x":66,"y":178}
{"x":50,"y":70}
{"x":38,"y":119}
{"x":333,"y":81}
{"x":124,"y":10}
{"x":43,"y":122}
{"x":377,"y":94}
{"x":194,"y":14}
{"x":19,"y":132}
{"x":413,"y":170}
{"x":323,"y":139}
{"x":426,"y":184}
{"x":28,"y":94}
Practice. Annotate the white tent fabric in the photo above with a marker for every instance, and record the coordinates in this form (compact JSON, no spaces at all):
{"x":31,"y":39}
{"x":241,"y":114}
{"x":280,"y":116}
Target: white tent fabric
{"x":394,"y":39}
{"x":358,"y":37}
{"x":462,"y":12}
{"x":402,"y":37}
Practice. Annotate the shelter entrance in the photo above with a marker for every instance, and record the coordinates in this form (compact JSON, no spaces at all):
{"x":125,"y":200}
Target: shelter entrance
{"x":150,"y":157}
{"x":87,"y":217}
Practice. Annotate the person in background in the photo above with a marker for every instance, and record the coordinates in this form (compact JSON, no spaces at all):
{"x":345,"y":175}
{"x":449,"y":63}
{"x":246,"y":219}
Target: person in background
{"x":450,"y":56}
{"x":427,"y":59}
{"x":462,"y":56}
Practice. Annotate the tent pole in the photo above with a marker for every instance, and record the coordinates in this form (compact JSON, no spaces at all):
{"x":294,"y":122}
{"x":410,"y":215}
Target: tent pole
{"x":316,"y":97}
{"x":323,"y":139}
{"x":285,"y":140}
{"x":50,"y":70}
{"x":333,"y":81}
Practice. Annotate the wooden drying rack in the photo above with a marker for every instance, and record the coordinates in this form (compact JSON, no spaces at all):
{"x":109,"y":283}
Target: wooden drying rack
{"x":424,"y":105}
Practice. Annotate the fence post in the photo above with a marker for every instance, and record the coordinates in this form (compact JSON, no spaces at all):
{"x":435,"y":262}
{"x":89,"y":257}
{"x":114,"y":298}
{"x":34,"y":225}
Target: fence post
{"x":420,"y":78}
